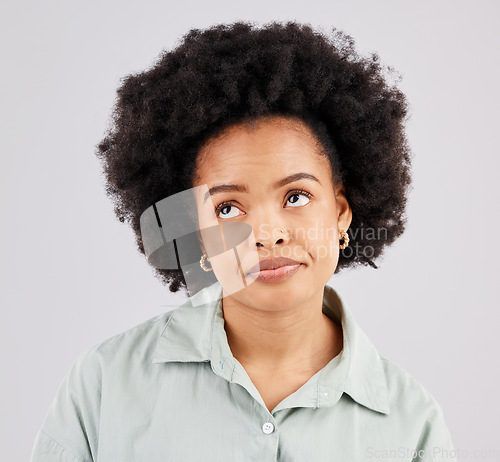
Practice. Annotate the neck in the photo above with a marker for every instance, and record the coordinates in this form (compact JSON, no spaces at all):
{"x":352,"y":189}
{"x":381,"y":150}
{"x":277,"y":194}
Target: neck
{"x":297,"y":340}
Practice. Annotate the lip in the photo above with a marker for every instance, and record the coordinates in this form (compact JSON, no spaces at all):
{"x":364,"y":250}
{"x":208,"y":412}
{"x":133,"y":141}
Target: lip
{"x":274,"y":269}
{"x":274,"y":275}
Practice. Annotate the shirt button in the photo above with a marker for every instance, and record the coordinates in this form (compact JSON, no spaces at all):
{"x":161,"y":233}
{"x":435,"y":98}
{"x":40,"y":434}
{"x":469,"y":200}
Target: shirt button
{"x":267,"y":428}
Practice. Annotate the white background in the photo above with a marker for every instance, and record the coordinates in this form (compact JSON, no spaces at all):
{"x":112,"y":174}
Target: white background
{"x":71,"y":275}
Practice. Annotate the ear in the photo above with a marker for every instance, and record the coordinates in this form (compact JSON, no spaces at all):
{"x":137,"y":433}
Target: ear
{"x":344,"y":211}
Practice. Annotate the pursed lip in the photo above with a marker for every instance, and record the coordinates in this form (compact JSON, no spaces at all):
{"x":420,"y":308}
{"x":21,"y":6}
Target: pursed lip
{"x":273,"y":263}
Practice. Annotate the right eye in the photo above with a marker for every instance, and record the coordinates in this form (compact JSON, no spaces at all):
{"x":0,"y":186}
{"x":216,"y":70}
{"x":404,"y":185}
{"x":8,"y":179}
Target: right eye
{"x":226,"y":210}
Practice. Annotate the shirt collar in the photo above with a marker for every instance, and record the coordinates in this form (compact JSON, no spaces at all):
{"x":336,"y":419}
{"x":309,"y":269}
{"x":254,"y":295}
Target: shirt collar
{"x":194,"y":332}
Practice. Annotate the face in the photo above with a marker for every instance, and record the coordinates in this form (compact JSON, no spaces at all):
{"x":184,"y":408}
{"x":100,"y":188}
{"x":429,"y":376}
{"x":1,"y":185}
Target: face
{"x":273,"y":176}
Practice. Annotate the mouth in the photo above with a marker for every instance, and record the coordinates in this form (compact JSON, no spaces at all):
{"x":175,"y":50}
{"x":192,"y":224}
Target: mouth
{"x":274,"y":269}
{"x":278,"y":274}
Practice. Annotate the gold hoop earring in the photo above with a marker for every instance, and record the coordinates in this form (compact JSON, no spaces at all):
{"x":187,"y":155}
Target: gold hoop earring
{"x":345,"y":236}
{"x":202,"y":262}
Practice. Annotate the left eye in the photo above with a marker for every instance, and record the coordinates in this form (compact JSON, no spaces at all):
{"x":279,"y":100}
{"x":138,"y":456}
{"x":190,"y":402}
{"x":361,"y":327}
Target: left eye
{"x":297,"y":200}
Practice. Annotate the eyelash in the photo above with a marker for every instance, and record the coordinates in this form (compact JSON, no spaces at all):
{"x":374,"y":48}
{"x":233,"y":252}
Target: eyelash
{"x":291,"y":193}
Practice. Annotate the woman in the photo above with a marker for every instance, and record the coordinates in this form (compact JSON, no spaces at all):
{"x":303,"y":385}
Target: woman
{"x":277,"y":157}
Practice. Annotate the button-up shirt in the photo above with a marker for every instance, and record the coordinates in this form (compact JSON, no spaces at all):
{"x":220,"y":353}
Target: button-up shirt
{"x":170,"y":390}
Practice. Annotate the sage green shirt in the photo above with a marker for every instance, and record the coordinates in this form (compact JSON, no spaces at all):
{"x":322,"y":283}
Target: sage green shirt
{"x":170,"y":390}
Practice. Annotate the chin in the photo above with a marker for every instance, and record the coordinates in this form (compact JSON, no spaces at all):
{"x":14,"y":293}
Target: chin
{"x":280,"y":295}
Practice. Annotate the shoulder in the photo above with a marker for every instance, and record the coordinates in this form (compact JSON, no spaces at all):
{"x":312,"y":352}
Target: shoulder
{"x":112,"y":357}
{"x":134,"y":342}
{"x":73,"y":419}
{"x":140,"y":334}
{"x":95,"y":373}
{"x":413,"y":407}
{"x":407,"y":395}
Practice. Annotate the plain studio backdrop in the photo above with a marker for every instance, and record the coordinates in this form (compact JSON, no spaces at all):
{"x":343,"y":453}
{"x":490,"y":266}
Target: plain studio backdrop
{"x":72,"y":277}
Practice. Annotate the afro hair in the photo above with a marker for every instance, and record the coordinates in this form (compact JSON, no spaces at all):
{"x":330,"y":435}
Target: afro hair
{"x":229,"y":73}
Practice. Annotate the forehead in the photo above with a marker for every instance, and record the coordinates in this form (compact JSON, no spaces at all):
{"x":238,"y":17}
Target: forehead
{"x":268,"y":147}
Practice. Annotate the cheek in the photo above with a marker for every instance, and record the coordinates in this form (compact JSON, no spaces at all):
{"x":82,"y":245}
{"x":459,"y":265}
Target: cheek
{"x":325,"y":256}
{"x":323,"y":251}
{"x":321,"y":242}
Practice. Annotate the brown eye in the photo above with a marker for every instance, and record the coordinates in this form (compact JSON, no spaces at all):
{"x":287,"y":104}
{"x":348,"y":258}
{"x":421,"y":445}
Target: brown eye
{"x":227,"y":210}
{"x":298,"y":199}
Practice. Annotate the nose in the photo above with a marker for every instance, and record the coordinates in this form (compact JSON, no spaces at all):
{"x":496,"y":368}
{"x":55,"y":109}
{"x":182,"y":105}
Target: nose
{"x":270,"y":235}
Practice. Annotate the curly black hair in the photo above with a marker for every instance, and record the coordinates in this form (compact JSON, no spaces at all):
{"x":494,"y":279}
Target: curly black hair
{"x":230,"y":73}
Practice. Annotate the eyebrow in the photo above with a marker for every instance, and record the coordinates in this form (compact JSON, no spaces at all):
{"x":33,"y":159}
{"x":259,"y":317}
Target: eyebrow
{"x":242,"y":188}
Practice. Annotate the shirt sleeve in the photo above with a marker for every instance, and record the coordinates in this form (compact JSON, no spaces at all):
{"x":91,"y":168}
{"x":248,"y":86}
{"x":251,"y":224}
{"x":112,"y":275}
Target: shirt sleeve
{"x":69,"y":432}
{"x":435,"y":443}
